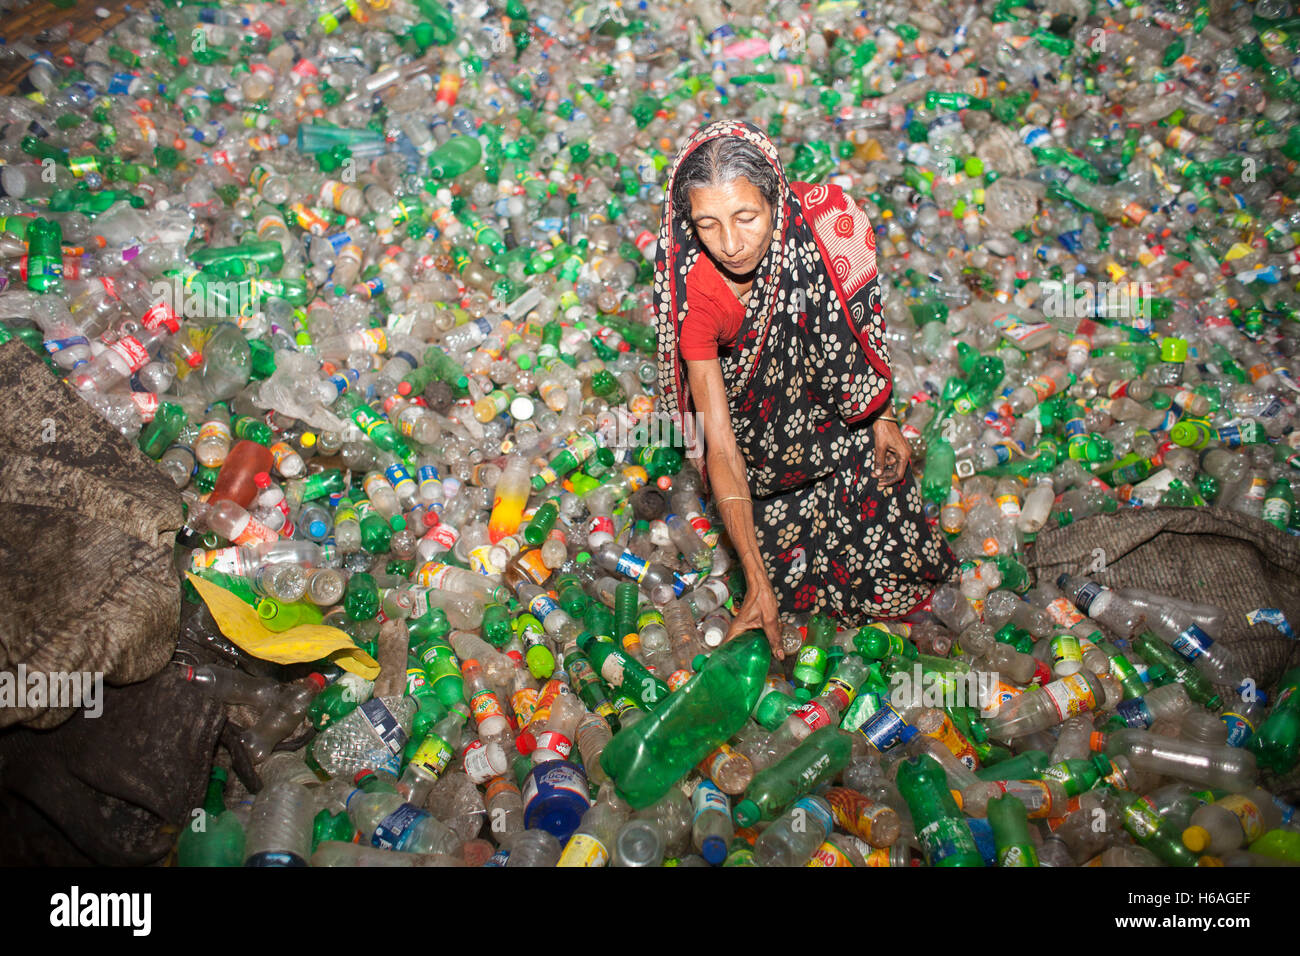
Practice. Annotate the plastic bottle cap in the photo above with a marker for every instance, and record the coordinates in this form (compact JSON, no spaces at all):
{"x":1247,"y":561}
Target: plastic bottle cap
{"x":747,"y":813}
{"x":397,"y":523}
{"x":318,"y":680}
{"x":907,"y":733}
{"x":802,"y":694}
{"x":526,"y":743}
{"x":714,"y":850}
{"x":1196,"y":839}
{"x":318,"y":529}
{"x":1173,"y":350}
{"x":262,"y":479}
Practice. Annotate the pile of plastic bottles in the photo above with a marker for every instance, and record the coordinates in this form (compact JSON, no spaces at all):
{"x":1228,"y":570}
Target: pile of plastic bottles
{"x":370,"y":282}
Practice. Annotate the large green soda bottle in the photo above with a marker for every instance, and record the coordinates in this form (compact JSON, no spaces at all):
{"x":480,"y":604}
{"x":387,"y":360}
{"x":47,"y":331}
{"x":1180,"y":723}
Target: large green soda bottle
{"x":816,"y":760}
{"x":1010,"y":823}
{"x":945,"y":838}
{"x":1276,"y":744}
{"x":212,"y":837}
{"x":647,"y":758}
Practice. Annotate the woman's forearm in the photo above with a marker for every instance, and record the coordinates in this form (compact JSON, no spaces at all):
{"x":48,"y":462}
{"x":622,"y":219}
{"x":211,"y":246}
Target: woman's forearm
{"x":731,"y":492}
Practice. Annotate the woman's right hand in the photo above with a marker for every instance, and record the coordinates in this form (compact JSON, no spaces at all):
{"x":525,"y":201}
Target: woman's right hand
{"x":760,"y":612}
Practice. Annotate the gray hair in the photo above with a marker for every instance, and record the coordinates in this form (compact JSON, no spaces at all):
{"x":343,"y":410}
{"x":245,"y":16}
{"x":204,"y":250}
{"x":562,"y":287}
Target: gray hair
{"x":720,"y":161}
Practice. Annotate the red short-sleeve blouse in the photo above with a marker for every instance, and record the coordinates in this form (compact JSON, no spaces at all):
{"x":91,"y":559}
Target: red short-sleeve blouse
{"x":713,"y":314}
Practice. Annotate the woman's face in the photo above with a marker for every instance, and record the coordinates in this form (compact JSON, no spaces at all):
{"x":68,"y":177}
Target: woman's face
{"x":734,"y":222}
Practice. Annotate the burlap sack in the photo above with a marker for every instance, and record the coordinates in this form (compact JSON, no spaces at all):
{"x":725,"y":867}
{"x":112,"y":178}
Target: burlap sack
{"x":1208,"y":555}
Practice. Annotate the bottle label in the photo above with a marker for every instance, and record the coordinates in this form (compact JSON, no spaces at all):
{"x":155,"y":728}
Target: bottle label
{"x":385,"y":725}
{"x":1071,"y":696}
{"x":853,"y":812}
{"x":135,"y":355}
{"x":709,"y":797}
{"x":542,"y":606}
{"x":555,"y":742}
{"x":844,"y":692}
{"x":478,"y":763}
{"x":1135,"y":713}
{"x":828,"y":854}
{"x":814,"y":715}
{"x":956,"y":742}
{"x":1004,"y":694}
{"x":600,"y":525}
{"x":395,"y":828}
{"x":859,"y":711}
{"x":817,"y":815}
{"x":943,"y":838}
{"x":160,"y":314}
{"x":254,"y":533}
{"x":1141,"y":819}
{"x":631,"y":566}
{"x":485,"y":706}
{"x":524,"y":704}
{"x":1063,"y":613}
{"x":1192,"y":643}
{"x":1240,"y":729}
{"x":1086,"y":595}
{"x":433,"y":756}
{"x":883,"y":728}
{"x":584,"y":850}
{"x":1065,"y":650}
{"x":1247,"y":813}
{"x":611,"y":668}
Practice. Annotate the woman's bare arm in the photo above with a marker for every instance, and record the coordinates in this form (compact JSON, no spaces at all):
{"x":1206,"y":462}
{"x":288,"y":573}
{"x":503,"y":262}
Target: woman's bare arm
{"x":726,"y":468}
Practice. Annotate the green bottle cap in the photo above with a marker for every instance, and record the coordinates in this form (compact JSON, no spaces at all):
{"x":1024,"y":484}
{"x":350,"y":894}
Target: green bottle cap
{"x":1173,"y":350}
{"x":747,"y":813}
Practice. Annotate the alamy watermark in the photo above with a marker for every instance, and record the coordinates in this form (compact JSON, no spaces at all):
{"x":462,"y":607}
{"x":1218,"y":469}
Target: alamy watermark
{"x":920,"y":688}
{"x":1081,"y":299}
{"x":54,"y":689}
{"x":207,"y":298}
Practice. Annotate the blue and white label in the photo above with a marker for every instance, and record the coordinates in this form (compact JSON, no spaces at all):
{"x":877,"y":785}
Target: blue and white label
{"x":396,"y":828}
{"x":1192,"y":643}
{"x":385,"y":725}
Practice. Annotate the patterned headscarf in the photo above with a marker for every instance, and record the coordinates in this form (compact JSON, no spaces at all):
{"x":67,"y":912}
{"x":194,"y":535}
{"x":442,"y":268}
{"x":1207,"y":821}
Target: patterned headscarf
{"x":813,"y":332}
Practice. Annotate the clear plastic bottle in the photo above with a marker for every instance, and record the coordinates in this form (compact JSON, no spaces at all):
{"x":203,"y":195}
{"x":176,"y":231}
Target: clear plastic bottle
{"x":1226,"y":768}
{"x":793,"y":838}
{"x":280,"y":828}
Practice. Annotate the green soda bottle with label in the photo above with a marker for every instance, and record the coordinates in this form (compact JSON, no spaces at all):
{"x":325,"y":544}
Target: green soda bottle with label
{"x":1010,"y":822}
{"x":816,"y":760}
{"x":940,"y":827}
{"x":1276,"y":744}
{"x":810,"y":664}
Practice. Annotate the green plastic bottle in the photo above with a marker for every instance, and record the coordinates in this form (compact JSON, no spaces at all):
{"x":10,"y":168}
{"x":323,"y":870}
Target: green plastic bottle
{"x":361,"y":600}
{"x":1010,"y":822}
{"x":940,"y":827}
{"x":1276,"y":744}
{"x":810,"y":664}
{"x":1143,"y":822}
{"x":212,"y":837}
{"x":624,"y":673}
{"x":454,"y":157}
{"x":1026,"y":765}
{"x":817,"y":759}
{"x":646,"y":759}
{"x":45,"y":256}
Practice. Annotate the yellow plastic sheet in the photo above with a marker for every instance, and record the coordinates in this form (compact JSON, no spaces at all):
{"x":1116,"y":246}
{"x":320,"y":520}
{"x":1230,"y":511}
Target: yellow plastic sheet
{"x":307,"y":642}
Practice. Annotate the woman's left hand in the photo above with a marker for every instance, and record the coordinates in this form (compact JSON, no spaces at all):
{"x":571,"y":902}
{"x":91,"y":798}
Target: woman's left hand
{"x":892,"y":453}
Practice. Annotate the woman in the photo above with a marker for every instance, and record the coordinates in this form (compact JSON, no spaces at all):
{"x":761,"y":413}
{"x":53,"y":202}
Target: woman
{"x":769,"y":324}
